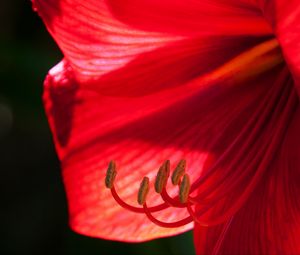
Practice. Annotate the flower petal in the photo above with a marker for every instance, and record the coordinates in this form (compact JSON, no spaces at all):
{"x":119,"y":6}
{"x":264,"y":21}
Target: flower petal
{"x":98,"y":36}
{"x":93,"y":125}
{"x":269,"y":221}
{"x":108,"y":99}
{"x":189,"y":17}
{"x":285,"y":19}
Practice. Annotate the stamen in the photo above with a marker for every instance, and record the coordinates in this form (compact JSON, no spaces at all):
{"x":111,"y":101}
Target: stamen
{"x":179,"y":201}
{"x":195,"y":217}
{"x":129,"y":207}
{"x":175,"y":224}
{"x":143,"y":191}
{"x":171,"y":201}
{"x":178,"y":172}
{"x":162,"y":177}
{"x":184,"y":189}
{"x":110,"y":174}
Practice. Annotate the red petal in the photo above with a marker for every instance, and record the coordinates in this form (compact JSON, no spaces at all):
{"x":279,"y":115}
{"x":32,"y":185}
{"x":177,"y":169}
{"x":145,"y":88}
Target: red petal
{"x":128,"y":91}
{"x":269,"y":221}
{"x":183,"y":121}
{"x":98,"y":36}
{"x":285,"y":19}
{"x":190,"y":16}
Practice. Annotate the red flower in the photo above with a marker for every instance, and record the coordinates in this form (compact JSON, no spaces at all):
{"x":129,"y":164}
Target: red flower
{"x":144,"y":81}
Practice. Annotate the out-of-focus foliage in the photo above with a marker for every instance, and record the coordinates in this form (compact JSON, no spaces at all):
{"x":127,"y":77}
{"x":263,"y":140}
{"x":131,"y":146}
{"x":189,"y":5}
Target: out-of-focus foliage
{"x":33,"y":206}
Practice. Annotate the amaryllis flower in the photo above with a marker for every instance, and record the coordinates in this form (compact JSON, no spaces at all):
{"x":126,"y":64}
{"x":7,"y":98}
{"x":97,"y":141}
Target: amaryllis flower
{"x":207,"y":87}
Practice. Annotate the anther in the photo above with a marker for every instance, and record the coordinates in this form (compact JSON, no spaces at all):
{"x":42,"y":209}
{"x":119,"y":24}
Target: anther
{"x":143,"y":191}
{"x":178,"y":172}
{"x":162,"y":177}
{"x":184,"y":189}
{"x":110,"y":174}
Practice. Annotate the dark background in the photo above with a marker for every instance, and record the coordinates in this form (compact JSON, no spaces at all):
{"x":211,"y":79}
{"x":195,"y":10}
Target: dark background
{"x":33,"y":206}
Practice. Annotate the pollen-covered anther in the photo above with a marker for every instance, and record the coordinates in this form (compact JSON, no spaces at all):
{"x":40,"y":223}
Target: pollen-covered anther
{"x":178,"y":172}
{"x":143,"y":191}
{"x":162,"y":177}
{"x":184,"y":188}
{"x":110,"y":174}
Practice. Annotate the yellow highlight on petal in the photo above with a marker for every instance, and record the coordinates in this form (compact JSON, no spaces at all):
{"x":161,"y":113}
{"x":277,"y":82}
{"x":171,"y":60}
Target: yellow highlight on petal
{"x":249,"y":63}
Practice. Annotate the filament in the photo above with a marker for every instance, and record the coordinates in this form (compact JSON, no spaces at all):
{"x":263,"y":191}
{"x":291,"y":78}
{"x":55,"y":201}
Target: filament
{"x":175,"y":224}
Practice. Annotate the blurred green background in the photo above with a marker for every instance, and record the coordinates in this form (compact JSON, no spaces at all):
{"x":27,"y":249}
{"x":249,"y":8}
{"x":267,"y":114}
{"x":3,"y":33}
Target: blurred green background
{"x":33,"y":205}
